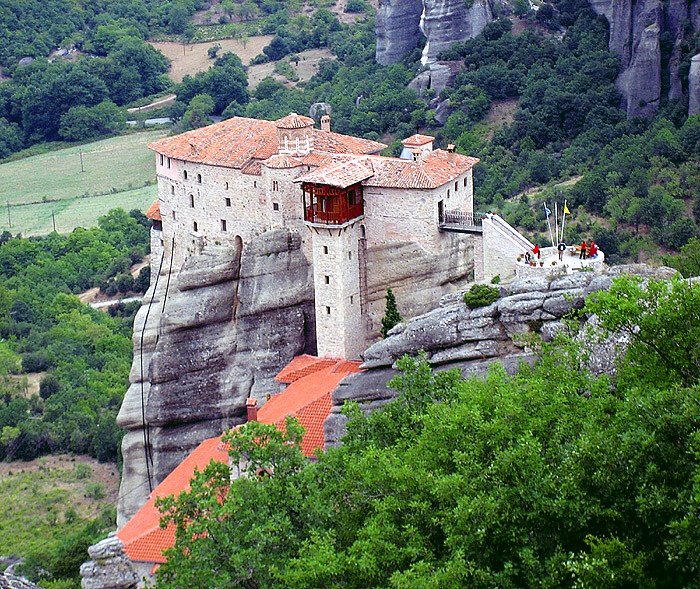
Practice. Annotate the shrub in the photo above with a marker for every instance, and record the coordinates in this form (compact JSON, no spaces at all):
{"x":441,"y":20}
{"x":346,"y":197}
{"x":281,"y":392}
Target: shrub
{"x":481,"y":295}
{"x":496,"y":279}
{"x":48,"y":386}
{"x":392,"y":316}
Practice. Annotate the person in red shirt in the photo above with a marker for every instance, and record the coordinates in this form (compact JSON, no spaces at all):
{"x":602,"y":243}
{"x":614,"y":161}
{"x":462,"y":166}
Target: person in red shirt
{"x":584,"y":248}
{"x":536,"y":251}
{"x":592,"y":249}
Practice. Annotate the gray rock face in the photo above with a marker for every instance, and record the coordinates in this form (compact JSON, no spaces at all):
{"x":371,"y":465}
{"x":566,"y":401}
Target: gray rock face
{"x":453,"y":336}
{"x":398,"y":29}
{"x":109,"y":568}
{"x":636,"y":27}
{"x":445,"y":22}
{"x":229,"y":322}
{"x":694,"y":86}
{"x":436,"y":78}
{"x":10,"y":581}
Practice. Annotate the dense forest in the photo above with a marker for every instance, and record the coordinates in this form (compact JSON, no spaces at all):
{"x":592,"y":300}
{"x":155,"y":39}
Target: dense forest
{"x":553,"y":477}
{"x":82,"y":355}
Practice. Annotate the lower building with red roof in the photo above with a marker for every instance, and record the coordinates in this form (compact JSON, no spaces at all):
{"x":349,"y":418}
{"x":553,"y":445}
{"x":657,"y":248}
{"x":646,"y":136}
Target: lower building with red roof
{"x":307,"y":397}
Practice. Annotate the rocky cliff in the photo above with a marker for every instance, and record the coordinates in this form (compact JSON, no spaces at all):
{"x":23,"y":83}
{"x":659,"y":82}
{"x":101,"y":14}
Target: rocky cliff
{"x":442,"y":22}
{"x":638,"y":29}
{"x":205,"y":339}
{"x":454,"y":336}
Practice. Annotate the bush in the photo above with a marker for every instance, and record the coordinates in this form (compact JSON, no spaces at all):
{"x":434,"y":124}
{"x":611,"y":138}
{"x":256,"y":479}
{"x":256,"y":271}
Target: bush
{"x":35,"y":362}
{"x":48,"y":386}
{"x":481,"y":295}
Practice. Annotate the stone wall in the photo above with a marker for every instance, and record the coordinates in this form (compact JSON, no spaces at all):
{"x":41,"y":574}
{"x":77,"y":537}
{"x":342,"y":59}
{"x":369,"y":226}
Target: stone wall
{"x":501,"y":247}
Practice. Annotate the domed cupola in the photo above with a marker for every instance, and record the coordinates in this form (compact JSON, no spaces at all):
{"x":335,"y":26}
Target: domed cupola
{"x":295,"y":134}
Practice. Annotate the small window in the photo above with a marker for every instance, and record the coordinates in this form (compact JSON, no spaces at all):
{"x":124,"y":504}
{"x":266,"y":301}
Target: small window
{"x":456,"y":186}
{"x":448,"y":193}
{"x":352,"y":300}
{"x":255,"y":183}
{"x":228,"y":202}
{"x":173,"y":214}
{"x":162,"y":159}
{"x":349,"y":255}
{"x":327,"y":279}
{"x":194,"y":225}
{"x":172,"y":189}
{"x":184,"y":173}
{"x":223,"y":224}
{"x":275,"y":185}
{"x":199,"y":178}
{"x":192,"y":200}
{"x":226,"y":186}
{"x":168,"y":162}
{"x":328,"y":310}
{"x":275,"y":206}
{"x":325,"y":249}
{"x":465,"y":181}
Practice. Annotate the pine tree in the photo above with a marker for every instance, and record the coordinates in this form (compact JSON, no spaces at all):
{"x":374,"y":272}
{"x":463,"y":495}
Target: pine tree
{"x":392,"y":316}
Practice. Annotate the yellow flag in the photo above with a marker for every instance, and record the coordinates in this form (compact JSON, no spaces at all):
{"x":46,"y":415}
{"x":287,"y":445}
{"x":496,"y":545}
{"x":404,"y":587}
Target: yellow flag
{"x":566,"y":210}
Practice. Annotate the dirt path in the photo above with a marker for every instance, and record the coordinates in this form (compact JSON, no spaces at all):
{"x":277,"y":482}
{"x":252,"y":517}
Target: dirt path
{"x":165,"y":101}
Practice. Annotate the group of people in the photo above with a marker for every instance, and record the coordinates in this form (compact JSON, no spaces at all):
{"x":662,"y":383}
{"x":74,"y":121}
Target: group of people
{"x":588,"y":250}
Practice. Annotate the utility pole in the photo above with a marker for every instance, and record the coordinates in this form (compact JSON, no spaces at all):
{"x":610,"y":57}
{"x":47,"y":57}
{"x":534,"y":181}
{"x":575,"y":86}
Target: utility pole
{"x":82,"y":169}
{"x":9,"y":218}
{"x":53,"y":218}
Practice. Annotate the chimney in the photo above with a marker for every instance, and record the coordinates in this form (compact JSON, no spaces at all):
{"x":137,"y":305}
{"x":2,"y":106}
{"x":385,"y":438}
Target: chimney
{"x":325,"y":123}
{"x":251,"y":406}
{"x":451,"y":148}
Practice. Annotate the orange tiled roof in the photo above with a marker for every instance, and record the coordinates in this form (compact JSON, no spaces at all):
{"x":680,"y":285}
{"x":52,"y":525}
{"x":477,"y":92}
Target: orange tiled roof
{"x":308,"y":399}
{"x":281,"y":161}
{"x":238,"y":142}
{"x":435,"y":169}
{"x":144,"y":540}
{"x":153,"y":212}
{"x":417,"y":140}
{"x":293,"y":121}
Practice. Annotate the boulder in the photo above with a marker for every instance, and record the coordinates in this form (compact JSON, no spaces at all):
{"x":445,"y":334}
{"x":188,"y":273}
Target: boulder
{"x":109,"y":568}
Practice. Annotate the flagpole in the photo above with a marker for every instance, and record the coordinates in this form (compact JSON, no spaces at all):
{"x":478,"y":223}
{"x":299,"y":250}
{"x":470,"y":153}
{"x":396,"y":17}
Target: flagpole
{"x":548,"y":213}
{"x":556,"y":219}
{"x":563,"y":221}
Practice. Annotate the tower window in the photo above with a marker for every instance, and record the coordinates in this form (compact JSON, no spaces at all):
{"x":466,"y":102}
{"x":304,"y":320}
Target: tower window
{"x":327,"y":279}
{"x":199,"y":178}
{"x":223,"y":224}
{"x":228,"y":202}
{"x":275,"y":206}
{"x":192,"y":200}
{"x":328,"y":310}
{"x":194,"y":225}
{"x":275,"y":185}
{"x":184,"y":173}
{"x":325,"y":249}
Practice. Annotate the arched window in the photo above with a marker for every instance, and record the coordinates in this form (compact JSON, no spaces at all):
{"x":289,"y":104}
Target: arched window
{"x":184,"y":174}
{"x":199,"y":178}
{"x":192,"y":200}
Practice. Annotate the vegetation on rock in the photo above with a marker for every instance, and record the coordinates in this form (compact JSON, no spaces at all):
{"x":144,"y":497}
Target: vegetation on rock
{"x":392,"y":317}
{"x":481,"y":295}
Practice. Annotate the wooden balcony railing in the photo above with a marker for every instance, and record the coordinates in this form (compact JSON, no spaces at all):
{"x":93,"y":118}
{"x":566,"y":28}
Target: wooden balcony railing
{"x":458,"y":220}
{"x":314,"y":215}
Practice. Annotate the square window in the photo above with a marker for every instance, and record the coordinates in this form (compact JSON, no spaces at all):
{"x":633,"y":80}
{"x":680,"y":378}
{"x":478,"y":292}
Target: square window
{"x":328,"y":310}
{"x":325,"y":249}
{"x":327,"y":279}
{"x":228,"y":202}
{"x":223,"y":224}
{"x":275,"y":206}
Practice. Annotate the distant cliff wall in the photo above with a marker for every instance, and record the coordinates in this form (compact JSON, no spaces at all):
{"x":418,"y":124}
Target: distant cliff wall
{"x":637,"y":30}
{"x":442,"y":22}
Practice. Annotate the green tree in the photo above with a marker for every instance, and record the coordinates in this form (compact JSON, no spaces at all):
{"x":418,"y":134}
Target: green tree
{"x":198,"y":111}
{"x":392,"y":316}
{"x":89,"y":122}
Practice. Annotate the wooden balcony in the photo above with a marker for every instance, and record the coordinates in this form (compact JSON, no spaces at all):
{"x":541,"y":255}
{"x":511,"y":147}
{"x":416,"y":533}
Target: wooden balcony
{"x":314,"y":215}
{"x":330,"y":205}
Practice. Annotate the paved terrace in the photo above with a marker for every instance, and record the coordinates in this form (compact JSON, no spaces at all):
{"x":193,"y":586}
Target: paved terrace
{"x":549,"y":262}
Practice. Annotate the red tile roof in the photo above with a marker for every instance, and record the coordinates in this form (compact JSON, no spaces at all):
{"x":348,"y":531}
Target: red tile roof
{"x":293,"y":121}
{"x":417,"y":140}
{"x":308,"y":399}
{"x":236,"y":142}
{"x":342,"y":173}
{"x":153,"y":212}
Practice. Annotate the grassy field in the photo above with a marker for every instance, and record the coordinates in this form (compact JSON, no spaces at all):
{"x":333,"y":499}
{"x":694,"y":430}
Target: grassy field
{"x":39,"y":500}
{"x":116,"y":172}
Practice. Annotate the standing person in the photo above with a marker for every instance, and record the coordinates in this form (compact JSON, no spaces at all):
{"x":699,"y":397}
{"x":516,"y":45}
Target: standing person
{"x":536,"y":251}
{"x":584,"y":248}
{"x":561,"y":248}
